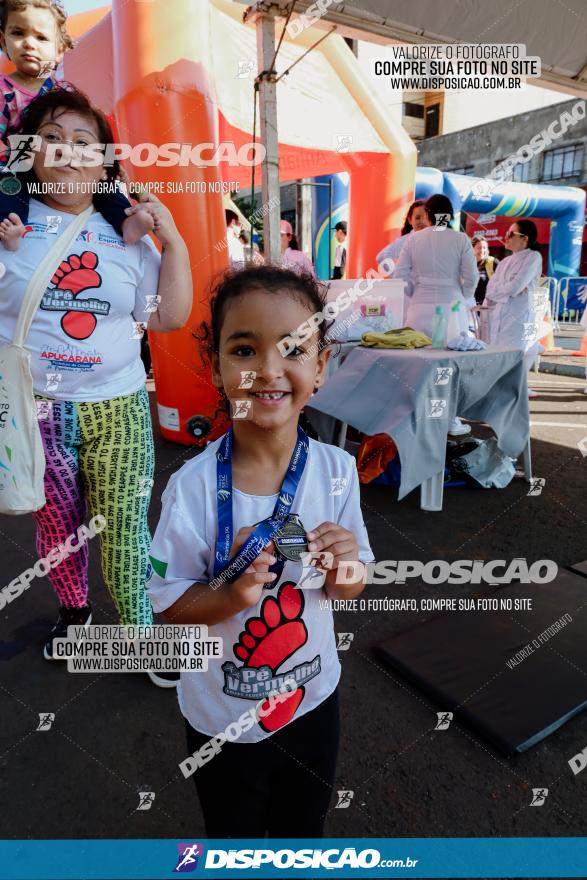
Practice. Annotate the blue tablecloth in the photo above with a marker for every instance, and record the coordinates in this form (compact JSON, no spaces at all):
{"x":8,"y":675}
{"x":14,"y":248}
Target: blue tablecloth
{"x":412,"y":395}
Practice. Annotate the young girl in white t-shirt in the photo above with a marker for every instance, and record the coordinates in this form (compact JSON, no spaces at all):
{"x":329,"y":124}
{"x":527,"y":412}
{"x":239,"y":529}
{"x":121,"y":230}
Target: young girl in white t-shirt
{"x":270,"y":700}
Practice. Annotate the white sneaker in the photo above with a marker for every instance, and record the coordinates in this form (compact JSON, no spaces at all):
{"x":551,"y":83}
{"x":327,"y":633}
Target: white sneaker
{"x":458,"y":428}
{"x":164,"y":679}
{"x":532,"y":393}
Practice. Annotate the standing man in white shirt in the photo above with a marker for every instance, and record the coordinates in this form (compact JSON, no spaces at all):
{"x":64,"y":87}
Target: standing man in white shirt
{"x":236,"y":249}
{"x":340,"y":231}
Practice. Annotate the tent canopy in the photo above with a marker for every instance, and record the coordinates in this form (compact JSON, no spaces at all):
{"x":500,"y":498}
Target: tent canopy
{"x":556,"y":32}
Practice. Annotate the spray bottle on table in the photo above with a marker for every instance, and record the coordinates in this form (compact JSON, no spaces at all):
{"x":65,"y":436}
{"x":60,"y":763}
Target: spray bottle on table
{"x":454,"y":321}
{"x":439,"y":328}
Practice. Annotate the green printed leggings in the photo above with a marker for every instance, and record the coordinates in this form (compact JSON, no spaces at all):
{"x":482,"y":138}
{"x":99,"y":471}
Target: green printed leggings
{"x":100,"y":454}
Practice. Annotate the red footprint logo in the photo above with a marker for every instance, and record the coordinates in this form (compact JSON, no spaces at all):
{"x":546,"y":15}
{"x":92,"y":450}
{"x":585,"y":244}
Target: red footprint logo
{"x":268,"y":640}
{"x":78,"y":274}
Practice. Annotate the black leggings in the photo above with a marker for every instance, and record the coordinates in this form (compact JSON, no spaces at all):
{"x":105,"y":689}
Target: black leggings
{"x":280,"y":786}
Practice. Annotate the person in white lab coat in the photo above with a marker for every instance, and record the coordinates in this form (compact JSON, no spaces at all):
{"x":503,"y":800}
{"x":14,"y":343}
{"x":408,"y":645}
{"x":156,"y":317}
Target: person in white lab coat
{"x":511,"y":292}
{"x":415,"y":220}
{"x":439,"y":268}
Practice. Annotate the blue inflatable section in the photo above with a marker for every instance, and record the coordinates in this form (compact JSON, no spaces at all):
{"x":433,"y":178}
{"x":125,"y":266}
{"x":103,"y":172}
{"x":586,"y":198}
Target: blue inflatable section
{"x":340,"y":211}
{"x":564,"y":206}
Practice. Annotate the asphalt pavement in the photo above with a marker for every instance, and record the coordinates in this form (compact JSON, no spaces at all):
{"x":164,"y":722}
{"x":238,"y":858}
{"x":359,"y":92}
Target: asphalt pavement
{"x":115,"y":735}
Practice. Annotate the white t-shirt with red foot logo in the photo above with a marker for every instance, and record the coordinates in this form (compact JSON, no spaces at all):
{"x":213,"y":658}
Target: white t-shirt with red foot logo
{"x":85,"y":337}
{"x":289,"y":636}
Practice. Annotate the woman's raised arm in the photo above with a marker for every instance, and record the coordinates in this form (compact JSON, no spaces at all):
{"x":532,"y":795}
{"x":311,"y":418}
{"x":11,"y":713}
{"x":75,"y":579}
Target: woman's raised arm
{"x":175,"y":277}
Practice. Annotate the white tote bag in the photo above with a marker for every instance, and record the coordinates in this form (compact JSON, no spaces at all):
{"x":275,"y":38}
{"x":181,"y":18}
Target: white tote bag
{"x":22,"y":459}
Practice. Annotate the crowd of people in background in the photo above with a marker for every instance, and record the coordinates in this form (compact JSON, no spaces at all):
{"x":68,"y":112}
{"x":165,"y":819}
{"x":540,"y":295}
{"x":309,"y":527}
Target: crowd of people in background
{"x":242,"y":252}
{"x":448,"y":270}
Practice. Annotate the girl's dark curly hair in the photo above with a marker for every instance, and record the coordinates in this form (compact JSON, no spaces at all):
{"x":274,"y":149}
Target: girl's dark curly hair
{"x":269,"y":279}
{"x":8,"y":6}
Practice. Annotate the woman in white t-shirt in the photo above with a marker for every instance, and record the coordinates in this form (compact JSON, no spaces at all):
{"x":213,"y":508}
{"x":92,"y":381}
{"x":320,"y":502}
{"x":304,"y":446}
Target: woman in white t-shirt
{"x":88,"y":377}
{"x":268,"y":699}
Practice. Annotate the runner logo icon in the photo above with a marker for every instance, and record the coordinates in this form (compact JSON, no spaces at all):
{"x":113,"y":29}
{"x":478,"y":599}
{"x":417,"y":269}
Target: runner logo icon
{"x":188,"y":857}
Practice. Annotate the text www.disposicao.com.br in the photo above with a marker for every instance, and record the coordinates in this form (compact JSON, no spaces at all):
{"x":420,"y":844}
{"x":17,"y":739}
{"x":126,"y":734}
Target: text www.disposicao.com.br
{"x":133,"y":664}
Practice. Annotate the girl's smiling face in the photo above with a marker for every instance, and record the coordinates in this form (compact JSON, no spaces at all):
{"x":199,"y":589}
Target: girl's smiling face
{"x":253,"y":324}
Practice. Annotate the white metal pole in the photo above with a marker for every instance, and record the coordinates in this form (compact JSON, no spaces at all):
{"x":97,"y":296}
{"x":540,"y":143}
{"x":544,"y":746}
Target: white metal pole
{"x":265,"y":24}
{"x":304,"y":217}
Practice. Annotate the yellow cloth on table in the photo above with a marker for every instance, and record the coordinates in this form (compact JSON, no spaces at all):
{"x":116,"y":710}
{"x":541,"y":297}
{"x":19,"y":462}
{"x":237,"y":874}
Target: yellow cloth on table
{"x":405,"y":337}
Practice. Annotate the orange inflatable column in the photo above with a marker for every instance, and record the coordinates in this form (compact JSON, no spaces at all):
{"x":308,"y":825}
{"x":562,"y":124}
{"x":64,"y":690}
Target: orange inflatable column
{"x":163,"y":94}
{"x":379,"y":194}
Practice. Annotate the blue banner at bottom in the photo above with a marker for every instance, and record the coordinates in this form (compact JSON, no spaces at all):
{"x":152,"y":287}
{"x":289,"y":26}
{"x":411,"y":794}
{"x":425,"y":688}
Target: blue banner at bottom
{"x":350,"y":857}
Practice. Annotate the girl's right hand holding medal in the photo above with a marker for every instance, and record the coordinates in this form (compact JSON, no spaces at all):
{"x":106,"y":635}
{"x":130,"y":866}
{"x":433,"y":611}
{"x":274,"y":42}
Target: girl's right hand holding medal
{"x":248,"y":588}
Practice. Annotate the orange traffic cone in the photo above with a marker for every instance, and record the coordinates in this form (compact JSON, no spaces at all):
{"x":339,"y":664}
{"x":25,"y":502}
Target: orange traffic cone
{"x":547,"y":341}
{"x":583,"y":350}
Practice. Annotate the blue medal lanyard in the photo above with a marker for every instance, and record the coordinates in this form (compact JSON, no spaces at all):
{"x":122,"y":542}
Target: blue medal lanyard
{"x":265,"y":530}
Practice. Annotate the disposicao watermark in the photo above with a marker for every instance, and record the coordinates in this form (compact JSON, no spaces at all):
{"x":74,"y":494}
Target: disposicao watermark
{"x":332,"y":309}
{"x":438,"y":571}
{"x":145,"y":155}
{"x":54,"y":557}
{"x":312,"y":14}
{"x":235,"y":730}
{"x":536,"y":145}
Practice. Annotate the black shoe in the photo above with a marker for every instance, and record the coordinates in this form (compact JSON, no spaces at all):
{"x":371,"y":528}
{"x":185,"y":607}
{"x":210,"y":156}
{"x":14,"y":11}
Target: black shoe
{"x":164,"y":679}
{"x":67,"y":617}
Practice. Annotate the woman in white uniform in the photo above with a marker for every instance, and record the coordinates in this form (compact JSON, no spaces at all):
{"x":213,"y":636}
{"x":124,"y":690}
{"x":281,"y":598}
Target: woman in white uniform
{"x":511,"y":292}
{"x":439,"y":268}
